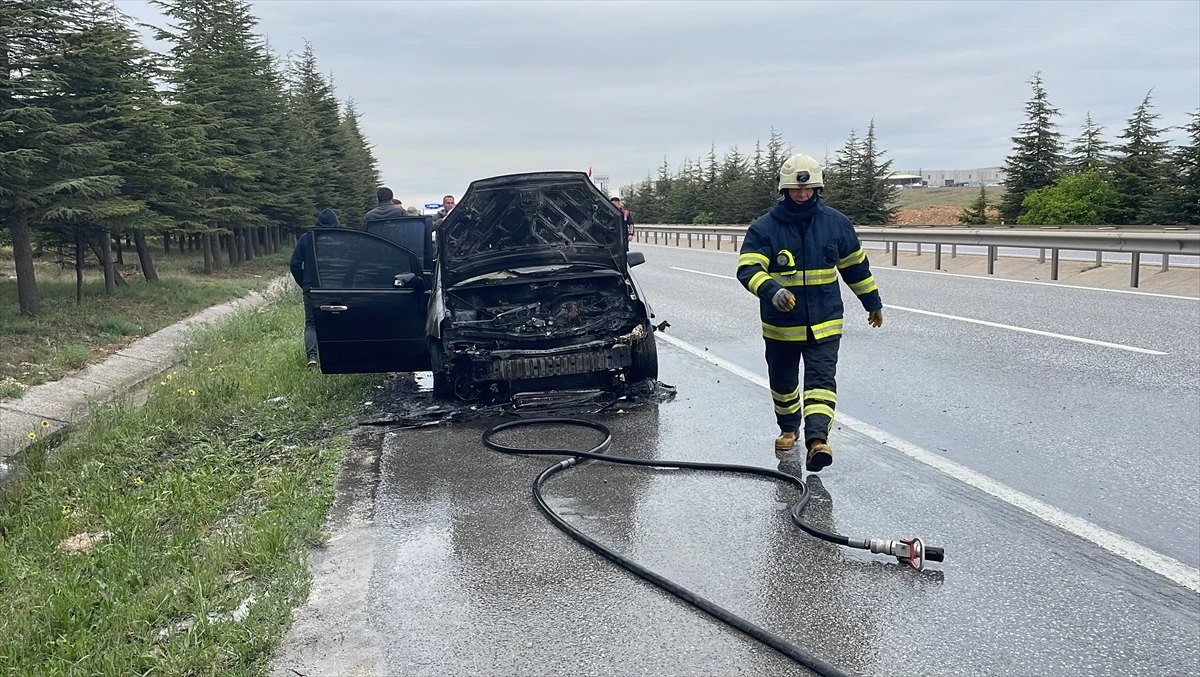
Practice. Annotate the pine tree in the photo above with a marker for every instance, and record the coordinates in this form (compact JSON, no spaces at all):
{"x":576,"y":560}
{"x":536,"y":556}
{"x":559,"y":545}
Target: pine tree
{"x":360,"y":167}
{"x":1187,"y":164}
{"x":221,"y":71}
{"x":876,"y":196}
{"x":1037,"y":156}
{"x":106,"y":102}
{"x":318,"y":111}
{"x":28,"y":31}
{"x":777,"y":152}
{"x":1089,"y":152}
{"x":976,"y":213}
{"x":1140,"y":172}
{"x":841,"y":178}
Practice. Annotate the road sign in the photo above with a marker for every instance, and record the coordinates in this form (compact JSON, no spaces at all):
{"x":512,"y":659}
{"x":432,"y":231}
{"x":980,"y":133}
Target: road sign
{"x":600,"y":178}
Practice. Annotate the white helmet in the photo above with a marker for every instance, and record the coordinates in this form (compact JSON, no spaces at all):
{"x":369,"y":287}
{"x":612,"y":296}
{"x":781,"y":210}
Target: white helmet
{"x":800,"y":171}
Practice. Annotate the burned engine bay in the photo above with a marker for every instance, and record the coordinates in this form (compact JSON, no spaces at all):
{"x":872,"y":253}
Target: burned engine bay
{"x":596,"y":304}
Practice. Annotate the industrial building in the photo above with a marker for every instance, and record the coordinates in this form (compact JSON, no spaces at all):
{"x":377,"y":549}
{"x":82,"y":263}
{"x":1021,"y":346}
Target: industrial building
{"x":982,"y":176}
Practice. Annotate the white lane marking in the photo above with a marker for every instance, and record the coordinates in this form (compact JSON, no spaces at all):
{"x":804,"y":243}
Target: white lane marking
{"x":1059,"y":285}
{"x":1065,"y":337}
{"x":701,"y":272}
{"x":1039,"y":332}
{"x":1163,"y":565}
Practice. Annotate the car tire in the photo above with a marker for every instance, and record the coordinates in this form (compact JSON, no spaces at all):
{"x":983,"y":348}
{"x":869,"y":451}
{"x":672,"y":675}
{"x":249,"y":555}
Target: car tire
{"x":645,"y":360}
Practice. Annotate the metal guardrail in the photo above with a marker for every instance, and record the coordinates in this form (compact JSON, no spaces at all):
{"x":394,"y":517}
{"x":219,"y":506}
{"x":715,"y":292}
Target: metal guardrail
{"x":1134,"y":240}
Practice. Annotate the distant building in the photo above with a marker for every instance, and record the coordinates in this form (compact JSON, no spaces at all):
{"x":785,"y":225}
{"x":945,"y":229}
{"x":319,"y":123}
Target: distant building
{"x":904,"y":180}
{"x":936,"y":178}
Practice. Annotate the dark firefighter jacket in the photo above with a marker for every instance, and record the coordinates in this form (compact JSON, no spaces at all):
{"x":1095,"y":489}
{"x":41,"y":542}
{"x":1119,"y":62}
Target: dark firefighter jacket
{"x":803,"y":248}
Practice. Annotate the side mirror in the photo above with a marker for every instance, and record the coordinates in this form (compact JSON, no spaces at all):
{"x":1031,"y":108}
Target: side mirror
{"x":635,"y":258}
{"x":407,"y":280}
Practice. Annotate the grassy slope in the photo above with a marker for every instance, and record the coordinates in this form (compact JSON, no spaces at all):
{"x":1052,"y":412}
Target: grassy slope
{"x":203,"y":498}
{"x":917,"y":198}
{"x":67,"y":336}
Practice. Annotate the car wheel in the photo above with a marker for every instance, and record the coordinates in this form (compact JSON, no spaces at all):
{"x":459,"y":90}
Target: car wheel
{"x":645,"y":360}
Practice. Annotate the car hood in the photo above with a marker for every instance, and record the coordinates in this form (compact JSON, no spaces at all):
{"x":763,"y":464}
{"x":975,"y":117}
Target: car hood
{"x":524,"y":220}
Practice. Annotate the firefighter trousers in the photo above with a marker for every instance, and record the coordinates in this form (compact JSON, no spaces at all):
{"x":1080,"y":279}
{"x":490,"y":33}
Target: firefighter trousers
{"x":814,"y":407}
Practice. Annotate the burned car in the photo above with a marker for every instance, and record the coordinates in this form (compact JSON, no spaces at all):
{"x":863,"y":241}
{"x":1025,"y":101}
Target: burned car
{"x":528,"y":288}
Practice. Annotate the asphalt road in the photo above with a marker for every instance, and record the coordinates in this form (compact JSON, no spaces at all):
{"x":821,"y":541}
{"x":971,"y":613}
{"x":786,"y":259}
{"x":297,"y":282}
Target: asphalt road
{"x":449,"y":568}
{"x":1105,"y":433}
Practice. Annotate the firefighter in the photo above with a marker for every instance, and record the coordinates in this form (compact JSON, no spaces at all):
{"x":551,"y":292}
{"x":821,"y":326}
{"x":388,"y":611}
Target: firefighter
{"x":790,"y":260}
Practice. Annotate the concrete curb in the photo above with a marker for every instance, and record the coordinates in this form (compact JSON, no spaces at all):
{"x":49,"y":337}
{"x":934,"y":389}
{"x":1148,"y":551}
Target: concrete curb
{"x":67,"y":401}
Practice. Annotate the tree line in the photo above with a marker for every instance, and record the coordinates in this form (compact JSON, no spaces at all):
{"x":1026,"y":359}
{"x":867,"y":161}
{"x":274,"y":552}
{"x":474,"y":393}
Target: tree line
{"x":219,"y":144}
{"x":1141,"y":179}
{"x":739,"y":188}
{"x":1138,"y":179}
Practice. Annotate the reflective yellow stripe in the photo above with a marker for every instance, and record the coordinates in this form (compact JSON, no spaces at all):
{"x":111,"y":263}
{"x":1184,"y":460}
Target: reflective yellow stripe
{"x":854,"y":259}
{"x":750,"y":259}
{"x":826,"y":329}
{"x":757,"y":281}
{"x":810,"y":278}
{"x":794,"y":395}
{"x":784,"y":333}
{"x":820,"y":394}
{"x":823,"y":409}
{"x":790,"y":409}
{"x":865,"y":287}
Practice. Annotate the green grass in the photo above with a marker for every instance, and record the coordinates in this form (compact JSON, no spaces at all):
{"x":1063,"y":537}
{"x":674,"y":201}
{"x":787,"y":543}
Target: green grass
{"x":917,"y":198}
{"x":205,"y":497}
{"x":67,"y":335}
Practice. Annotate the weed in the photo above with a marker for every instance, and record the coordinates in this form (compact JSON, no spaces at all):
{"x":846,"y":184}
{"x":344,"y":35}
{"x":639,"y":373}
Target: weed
{"x":73,"y":356}
{"x":170,"y":538}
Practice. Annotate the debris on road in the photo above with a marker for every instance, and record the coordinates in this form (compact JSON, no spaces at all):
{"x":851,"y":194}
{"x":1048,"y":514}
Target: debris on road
{"x":413,"y":405}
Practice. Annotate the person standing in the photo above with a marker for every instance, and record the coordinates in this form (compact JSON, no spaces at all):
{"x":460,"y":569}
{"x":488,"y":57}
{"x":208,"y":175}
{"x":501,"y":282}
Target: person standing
{"x":447,"y":207}
{"x":790,"y":259}
{"x":387,"y":209}
{"x":303,"y":276}
{"x":626,"y":217}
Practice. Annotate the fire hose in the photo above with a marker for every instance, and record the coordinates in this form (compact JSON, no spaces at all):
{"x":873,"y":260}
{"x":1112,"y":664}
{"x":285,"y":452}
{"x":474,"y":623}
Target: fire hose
{"x":911,"y":551}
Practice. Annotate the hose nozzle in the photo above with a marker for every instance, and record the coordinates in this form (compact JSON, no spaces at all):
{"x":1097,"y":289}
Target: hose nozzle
{"x":912,"y":551}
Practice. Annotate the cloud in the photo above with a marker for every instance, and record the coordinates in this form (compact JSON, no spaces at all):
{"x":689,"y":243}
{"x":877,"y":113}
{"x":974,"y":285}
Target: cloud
{"x":453,"y":91}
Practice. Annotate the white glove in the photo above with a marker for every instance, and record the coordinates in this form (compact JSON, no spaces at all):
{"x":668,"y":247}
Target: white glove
{"x":783,"y":300}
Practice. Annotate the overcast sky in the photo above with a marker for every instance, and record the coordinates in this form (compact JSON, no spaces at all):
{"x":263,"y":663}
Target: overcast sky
{"x":451,"y":92}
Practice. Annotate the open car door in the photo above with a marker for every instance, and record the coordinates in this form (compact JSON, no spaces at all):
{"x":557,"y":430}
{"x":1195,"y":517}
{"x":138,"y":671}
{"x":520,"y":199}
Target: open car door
{"x":369,"y":299}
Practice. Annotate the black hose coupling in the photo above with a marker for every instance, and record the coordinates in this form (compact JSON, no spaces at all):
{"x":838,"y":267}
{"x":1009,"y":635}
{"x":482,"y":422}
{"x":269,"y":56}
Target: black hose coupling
{"x":913,"y":551}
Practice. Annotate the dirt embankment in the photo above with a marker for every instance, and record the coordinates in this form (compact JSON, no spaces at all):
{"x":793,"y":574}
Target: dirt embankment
{"x":937,"y":215}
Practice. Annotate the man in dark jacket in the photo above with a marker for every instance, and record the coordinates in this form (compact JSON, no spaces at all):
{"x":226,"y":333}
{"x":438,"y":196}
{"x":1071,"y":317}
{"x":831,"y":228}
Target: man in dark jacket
{"x":626,"y":217}
{"x":790,"y":260}
{"x":386,"y":210}
{"x":303,"y":277}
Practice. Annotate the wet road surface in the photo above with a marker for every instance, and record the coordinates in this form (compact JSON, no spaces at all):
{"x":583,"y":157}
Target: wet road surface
{"x":442,"y":565}
{"x":1105,"y":433}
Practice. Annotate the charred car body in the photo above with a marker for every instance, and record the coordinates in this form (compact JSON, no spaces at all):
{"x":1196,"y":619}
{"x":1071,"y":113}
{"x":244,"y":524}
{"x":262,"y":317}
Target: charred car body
{"x":529,"y":290}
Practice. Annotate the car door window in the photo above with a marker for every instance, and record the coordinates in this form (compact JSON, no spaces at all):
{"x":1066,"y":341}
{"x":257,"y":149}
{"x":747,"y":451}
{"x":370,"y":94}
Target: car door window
{"x":350,"y":259}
